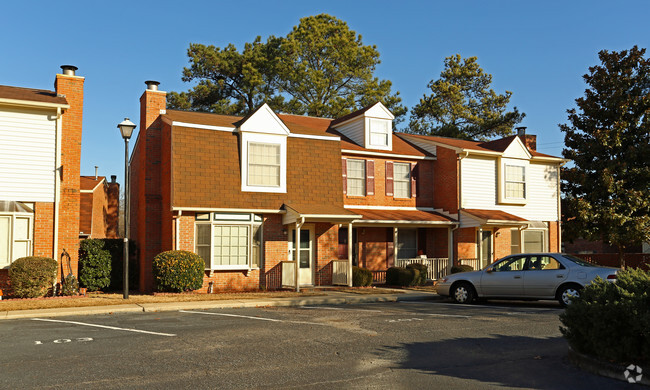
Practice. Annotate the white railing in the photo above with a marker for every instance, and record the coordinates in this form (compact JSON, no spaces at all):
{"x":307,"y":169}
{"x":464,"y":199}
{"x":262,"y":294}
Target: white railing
{"x":340,"y":272}
{"x":437,"y":268}
{"x":475,"y":263}
{"x":288,"y":274}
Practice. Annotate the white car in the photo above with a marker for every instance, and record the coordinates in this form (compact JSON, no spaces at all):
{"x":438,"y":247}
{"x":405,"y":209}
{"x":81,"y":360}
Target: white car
{"x":526,"y":276}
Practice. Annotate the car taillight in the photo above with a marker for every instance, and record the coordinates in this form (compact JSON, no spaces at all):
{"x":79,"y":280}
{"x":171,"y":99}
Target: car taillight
{"x":611,"y":277}
{"x":444,"y":280}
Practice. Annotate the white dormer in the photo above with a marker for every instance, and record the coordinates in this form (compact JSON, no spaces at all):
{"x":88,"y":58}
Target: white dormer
{"x":263,"y":145}
{"x":371,"y":127}
{"x":513,"y":173}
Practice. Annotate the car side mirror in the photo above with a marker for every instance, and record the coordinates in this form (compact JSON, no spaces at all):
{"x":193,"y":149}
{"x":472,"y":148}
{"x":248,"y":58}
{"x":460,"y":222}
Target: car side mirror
{"x":489,"y":270}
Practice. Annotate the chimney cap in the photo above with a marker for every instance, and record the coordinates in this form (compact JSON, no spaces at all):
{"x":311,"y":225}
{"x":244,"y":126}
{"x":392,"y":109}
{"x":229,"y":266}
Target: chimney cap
{"x":521,"y":130}
{"x":113,"y":178}
{"x":69,"y":70}
{"x":152,"y":85}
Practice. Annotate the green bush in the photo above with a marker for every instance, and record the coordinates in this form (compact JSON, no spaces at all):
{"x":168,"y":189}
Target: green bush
{"x":70,"y":286}
{"x":398,"y":276}
{"x":178,"y":271}
{"x":461,"y":268}
{"x":422,"y":279}
{"x":361,"y":277}
{"x":94,"y":265}
{"x":611,"y":321}
{"x":32,"y":277}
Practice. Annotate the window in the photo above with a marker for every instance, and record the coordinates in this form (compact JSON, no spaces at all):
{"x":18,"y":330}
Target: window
{"x":356,"y":177}
{"x":16,"y":231}
{"x":379,"y":132}
{"x":514,"y":264}
{"x":534,"y":241}
{"x":515,"y":241}
{"x":515,"y":182}
{"x":263,"y":164}
{"x":407,"y":243}
{"x":402,"y":180}
{"x":230,"y":241}
{"x":540,"y":263}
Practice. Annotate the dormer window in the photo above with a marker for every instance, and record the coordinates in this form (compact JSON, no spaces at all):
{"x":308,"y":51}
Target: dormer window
{"x":264,"y":164}
{"x":379,"y":132}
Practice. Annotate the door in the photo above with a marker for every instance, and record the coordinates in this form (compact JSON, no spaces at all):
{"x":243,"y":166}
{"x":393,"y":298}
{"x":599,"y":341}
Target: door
{"x":305,"y":254}
{"x":506,"y":278}
{"x":542,"y":276}
{"x":486,"y":248}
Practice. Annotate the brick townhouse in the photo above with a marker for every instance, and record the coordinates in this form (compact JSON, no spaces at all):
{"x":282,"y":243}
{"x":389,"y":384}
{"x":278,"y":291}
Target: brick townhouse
{"x":98,"y":207}
{"x":40,"y":148}
{"x":244,"y":193}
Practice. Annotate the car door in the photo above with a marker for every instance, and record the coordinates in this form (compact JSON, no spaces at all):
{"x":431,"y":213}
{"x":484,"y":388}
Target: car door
{"x":542,"y":276}
{"x":504,"y":278}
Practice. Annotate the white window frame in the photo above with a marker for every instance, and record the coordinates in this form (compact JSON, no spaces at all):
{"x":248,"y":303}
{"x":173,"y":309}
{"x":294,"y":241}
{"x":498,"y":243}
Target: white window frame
{"x":350,"y":178}
{"x":256,"y":138}
{"x":506,"y":181}
{"x":408,"y":181}
{"x":11,"y":240}
{"x":234,"y":219}
{"x":545,"y":240}
{"x":379,"y":126}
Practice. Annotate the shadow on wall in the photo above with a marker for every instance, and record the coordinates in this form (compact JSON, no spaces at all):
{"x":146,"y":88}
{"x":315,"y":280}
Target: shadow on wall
{"x":509,"y":361}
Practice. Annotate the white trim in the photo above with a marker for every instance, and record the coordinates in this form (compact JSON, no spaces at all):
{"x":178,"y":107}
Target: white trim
{"x":365,"y":207}
{"x":206,"y":127}
{"x":319,"y":137}
{"x":30,"y":103}
{"x":359,"y":222}
{"x":277,"y":139}
{"x":333,"y":216}
{"x":209,"y":209}
{"x":379,"y":154}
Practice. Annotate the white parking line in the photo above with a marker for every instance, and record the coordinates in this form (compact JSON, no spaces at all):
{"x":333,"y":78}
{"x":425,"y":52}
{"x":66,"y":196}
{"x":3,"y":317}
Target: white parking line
{"x":251,"y":317}
{"x":338,"y":308}
{"x":385,"y":312}
{"x":534,"y":309}
{"x":105,"y":327}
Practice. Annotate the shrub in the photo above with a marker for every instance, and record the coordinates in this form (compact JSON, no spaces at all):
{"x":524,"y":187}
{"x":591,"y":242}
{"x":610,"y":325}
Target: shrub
{"x":32,"y":277}
{"x":94,"y":265}
{"x":398,"y":276}
{"x":70,"y":285}
{"x":361,"y":277}
{"x":422,"y":280}
{"x":116,"y":248}
{"x":611,"y":321}
{"x":178,"y":271}
{"x":461,"y":268}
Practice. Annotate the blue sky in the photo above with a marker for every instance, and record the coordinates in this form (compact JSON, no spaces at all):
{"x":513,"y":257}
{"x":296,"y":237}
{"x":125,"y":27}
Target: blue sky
{"x":539,"y":50}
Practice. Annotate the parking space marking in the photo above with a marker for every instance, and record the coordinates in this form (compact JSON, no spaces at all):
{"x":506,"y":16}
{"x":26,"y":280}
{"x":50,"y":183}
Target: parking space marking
{"x":386,"y":312}
{"x":339,"y":308}
{"x":105,"y":327}
{"x":251,"y":317}
{"x":530,"y":309}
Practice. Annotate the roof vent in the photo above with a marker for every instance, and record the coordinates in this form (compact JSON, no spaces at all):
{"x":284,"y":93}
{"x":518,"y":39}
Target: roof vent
{"x":152,"y":85}
{"x":521,"y":131}
{"x":69,"y":70}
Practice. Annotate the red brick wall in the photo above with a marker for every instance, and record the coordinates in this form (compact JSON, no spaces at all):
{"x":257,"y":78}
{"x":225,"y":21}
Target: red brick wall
{"x":465,"y":243}
{"x":99,"y":212}
{"x":327,"y":243}
{"x":43,"y":229}
{"x":502,"y":240}
{"x":112,"y":210}
{"x":72,"y":88}
{"x":553,"y":239}
{"x":445,"y":180}
{"x":375,"y":246}
{"x":436,"y":244}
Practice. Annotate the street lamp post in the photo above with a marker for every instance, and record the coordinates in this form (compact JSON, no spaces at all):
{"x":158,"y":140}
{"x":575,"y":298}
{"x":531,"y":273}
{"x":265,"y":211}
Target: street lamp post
{"x":126,"y":129}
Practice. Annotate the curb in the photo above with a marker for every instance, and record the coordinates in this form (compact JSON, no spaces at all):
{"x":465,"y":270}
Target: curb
{"x":224,"y":304}
{"x":602,"y":368}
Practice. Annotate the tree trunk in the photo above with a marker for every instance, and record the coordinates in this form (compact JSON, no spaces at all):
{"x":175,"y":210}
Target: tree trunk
{"x":621,"y":256}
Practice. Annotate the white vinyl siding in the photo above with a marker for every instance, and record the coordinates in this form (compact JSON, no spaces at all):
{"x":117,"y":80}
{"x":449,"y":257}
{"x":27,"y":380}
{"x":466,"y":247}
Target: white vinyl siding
{"x":354,"y":130}
{"x":402,"y":180}
{"x":515,"y":182}
{"x":263,"y":164}
{"x":356,"y":173}
{"x":479,"y":189}
{"x":28,"y":149}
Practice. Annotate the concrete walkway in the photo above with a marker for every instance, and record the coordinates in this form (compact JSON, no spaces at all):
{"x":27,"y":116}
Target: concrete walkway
{"x":329,"y":298}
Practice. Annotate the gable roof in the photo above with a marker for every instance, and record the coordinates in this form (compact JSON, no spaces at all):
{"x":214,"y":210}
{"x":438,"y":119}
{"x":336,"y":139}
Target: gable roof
{"x":88,"y":183}
{"x":32,"y":95}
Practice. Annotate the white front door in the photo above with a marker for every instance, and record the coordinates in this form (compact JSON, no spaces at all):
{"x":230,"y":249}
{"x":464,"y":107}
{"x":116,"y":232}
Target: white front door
{"x":305,"y":254}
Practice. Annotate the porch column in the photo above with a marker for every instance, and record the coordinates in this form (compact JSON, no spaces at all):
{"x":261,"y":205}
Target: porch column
{"x":395,"y":249}
{"x":350,"y":254}
{"x":296,"y":254}
{"x":479,"y":245}
{"x":450,"y":247}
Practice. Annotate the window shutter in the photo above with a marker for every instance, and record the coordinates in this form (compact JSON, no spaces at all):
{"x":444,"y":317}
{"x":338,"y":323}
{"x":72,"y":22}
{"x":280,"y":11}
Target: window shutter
{"x":344,"y":163}
{"x":389,"y":178}
{"x":370,"y":177}
{"x":414,"y":178}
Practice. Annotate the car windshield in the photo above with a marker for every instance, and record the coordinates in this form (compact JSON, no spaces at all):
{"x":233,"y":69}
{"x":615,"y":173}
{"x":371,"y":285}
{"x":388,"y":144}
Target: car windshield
{"x":578,"y":261}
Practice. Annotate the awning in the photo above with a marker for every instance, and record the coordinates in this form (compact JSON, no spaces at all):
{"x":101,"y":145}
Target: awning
{"x":401,"y":217}
{"x":9,"y":206}
{"x":317,"y":213}
{"x":494,"y":217}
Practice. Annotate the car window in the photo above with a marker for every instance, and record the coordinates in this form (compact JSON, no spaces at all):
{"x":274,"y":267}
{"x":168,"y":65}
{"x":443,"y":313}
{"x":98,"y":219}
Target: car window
{"x":578,"y":261}
{"x":513,"y":264}
{"x":540,"y":263}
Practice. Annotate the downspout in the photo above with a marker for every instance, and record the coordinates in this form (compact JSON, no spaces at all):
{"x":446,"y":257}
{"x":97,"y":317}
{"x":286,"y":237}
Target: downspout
{"x":178,"y":229}
{"x":559,"y":209}
{"x":296,"y":251}
{"x":57,"y":184}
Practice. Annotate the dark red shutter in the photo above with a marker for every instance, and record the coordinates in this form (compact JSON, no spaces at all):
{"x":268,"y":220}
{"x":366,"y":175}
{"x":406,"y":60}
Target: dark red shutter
{"x":414,"y":178}
{"x":344,"y":163}
{"x":370,"y":177}
{"x":389,"y":178}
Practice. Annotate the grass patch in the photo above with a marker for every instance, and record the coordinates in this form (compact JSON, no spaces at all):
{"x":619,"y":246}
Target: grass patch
{"x":370,"y":290}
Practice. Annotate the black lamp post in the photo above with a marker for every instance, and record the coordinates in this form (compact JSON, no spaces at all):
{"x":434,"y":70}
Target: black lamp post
{"x":126,"y":129}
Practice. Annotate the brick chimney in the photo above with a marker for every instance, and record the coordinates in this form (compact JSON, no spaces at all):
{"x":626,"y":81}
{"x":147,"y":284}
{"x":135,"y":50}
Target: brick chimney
{"x":529,"y":140}
{"x":68,"y":84}
{"x":112,"y":208}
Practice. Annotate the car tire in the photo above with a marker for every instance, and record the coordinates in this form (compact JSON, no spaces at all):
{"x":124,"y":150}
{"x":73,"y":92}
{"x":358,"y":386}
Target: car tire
{"x":565,"y":293}
{"x":463,"y":293}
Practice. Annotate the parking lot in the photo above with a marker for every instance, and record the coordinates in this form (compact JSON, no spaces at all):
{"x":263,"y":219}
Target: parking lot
{"x":384,"y":346}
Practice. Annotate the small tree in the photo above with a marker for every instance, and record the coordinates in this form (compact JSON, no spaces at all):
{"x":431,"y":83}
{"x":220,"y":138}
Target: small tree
{"x":462,"y":105}
{"x":94,"y":265}
{"x":608,"y":187}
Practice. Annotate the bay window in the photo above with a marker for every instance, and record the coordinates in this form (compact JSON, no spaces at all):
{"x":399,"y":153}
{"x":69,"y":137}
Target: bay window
{"x":230,"y":241}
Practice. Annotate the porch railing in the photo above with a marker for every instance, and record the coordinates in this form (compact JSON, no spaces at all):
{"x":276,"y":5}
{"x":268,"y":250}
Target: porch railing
{"x":288,"y":275}
{"x":340,"y":272}
{"x":437,"y":268}
{"x":379,"y":276}
{"x":474,"y":263}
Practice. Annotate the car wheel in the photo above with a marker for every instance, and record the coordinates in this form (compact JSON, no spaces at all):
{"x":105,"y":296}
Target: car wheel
{"x":463,"y":293}
{"x":567,"y":292}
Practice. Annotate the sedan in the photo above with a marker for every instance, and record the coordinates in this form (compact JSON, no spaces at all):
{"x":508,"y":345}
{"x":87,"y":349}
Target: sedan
{"x":526,"y":276}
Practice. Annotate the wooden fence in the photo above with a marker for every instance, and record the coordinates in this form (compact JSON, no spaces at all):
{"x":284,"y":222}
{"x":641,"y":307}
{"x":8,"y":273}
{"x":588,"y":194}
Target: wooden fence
{"x":632,"y":260}
{"x":437,"y":268}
